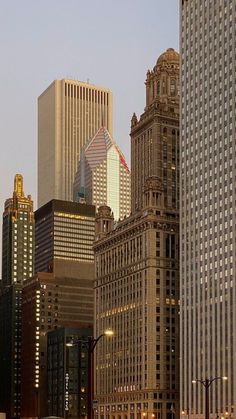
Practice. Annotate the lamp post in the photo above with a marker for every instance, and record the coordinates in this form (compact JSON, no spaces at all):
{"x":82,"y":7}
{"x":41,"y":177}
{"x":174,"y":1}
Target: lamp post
{"x":207,"y":383}
{"x":91,"y":343}
{"x":185,"y":413}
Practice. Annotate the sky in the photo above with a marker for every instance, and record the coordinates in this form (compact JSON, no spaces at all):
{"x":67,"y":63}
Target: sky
{"x":110,"y":43}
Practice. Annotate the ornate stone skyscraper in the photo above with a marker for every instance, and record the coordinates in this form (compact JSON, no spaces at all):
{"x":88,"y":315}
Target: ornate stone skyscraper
{"x":137,"y":267}
{"x":154,"y":147}
{"x":17,"y":236}
{"x":208,"y":217}
{"x":17,"y":266}
{"x":69,"y":113}
{"x":103,"y":175}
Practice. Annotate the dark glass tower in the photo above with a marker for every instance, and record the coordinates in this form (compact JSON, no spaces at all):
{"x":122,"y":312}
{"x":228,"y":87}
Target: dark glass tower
{"x":17,"y":266}
{"x":69,"y":366}
{"x":64,"y":231}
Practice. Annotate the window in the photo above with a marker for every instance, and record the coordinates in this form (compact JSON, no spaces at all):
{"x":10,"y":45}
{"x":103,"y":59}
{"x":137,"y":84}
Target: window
{"x":172,"y":87}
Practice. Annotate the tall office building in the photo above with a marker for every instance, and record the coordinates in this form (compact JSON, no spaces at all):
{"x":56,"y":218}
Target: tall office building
{"x":137,"y":267}
{"x":208,"y":230}
{"x":103,"y":175}
{"x":10,"y":351}
{"x":59,"y":295}
{"x":17,"y":266}
{"x":17,"y":236}
{"x":64,"y":232}
{"x":72,"y":370}
{"x":69,"y":113}
{"x":49,"y":303}
{"x":154,"y":148}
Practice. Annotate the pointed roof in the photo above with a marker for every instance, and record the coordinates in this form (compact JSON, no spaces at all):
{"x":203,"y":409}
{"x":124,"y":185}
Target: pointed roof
{"x":96,"y":149}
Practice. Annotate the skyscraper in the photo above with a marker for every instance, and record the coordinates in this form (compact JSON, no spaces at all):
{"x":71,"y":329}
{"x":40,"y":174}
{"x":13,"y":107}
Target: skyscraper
{"x":69,"y":113}
{"x":137,"y":267}
{"x":10,"y":350}
{"x":59,"y":294}
{"x":70,"y":399}
{"x":49,"y":303}
{"x":208,"y":231}
{"x":64,"y":232}
{"x":154,"y":148}
{"x":17,"y":266}
{"x":103,"y":175}
{"x":17,"y":236}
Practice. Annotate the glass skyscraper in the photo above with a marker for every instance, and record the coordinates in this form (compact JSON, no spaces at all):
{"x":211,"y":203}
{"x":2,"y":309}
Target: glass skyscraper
{"x":208,"y":233}
{"x":103,"y":175}
{"x":64,"y":231}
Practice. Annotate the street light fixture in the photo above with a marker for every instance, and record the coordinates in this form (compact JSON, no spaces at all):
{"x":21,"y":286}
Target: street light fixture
{"x":91,"y":343}
{"x":207,"y":383}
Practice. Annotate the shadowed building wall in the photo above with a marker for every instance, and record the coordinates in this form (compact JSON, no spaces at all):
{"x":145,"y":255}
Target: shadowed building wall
{"x":17,"y":266}
{"x":48,"y":303}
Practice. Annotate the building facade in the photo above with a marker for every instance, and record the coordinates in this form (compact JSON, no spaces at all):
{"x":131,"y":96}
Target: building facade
{"x":68,"y":372}
{"x":69,"y":113}
{"x":49,"y":303}
{"x":154,"y":147}
{"x":10,"y":350}
{"x":208,"y":286}
{"x":64,"y":232}
{"x":103,"y":175}
{"x":137,"y":267}
{"x":17,"y":236}
{"x":17,"y":266}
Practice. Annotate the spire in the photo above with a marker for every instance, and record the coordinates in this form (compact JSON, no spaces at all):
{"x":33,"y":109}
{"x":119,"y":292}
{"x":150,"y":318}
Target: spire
{"x":18,"y":186}
{"x":134,"y":120}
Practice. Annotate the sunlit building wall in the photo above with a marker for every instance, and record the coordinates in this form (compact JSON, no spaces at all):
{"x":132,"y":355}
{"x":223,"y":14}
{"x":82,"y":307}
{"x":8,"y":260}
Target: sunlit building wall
{"x":69,"y":113}
{"x":208,"y":231}
{"x":137,"y":267}
{"x":103,"y":176}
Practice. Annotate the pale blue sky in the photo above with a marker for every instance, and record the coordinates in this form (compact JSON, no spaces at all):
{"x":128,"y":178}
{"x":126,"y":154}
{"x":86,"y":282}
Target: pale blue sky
{"x":111,"y":43}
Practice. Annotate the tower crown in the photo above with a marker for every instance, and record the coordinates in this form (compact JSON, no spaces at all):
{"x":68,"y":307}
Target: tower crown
{"x":169,"y":57}
{"x":162,"y":83}
{"x":18,"y":186}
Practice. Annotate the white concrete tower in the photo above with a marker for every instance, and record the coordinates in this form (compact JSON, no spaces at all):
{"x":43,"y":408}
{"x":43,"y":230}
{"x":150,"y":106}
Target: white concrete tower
{"x":69,"y":113}
{"x":208,"y":224}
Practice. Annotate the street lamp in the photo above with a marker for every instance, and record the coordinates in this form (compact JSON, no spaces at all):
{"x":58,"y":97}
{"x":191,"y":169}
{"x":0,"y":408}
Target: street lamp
{"x":207,"y":383}
{"x":185,"y":413}
{"x":91,"y":343}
